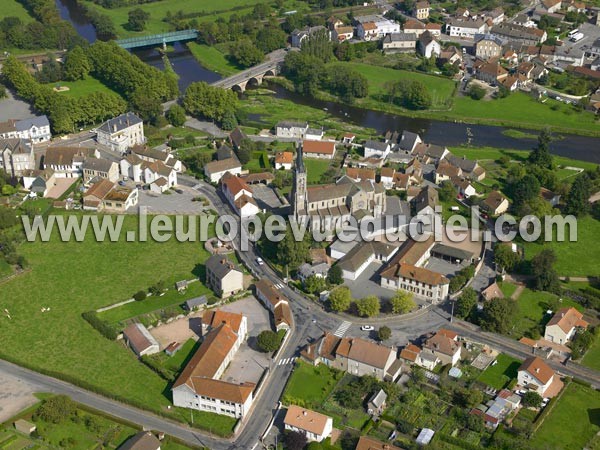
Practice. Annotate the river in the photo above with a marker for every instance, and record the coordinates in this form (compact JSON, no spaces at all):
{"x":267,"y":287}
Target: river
{"x":433,"y":131}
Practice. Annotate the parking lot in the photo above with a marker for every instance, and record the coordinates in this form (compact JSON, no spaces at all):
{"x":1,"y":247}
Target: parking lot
{"x":15,"y":395}
{"x":368,"y":284}
{"x":590,"y":34}
{"x":172,"y":203}
{"x":446,"y":268}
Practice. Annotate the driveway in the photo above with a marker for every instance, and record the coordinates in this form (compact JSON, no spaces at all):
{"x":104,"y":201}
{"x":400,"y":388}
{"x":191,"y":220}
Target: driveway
{"x":173,"y":203}
{"x":368,"y":284}
{"x":15,"y":396}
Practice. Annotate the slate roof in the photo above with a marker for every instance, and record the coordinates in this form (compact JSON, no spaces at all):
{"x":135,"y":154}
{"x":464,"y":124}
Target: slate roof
{"x":121,"y":123}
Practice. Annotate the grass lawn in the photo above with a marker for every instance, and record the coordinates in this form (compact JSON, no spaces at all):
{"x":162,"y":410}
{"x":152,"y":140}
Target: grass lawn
{"x":508,"y":289}
{"x":498,"y":376}
{"x":574,"y":258}
{"x":441,"y":89}
{"x":213,"y":59}
{"x":592,"y":356}
{"x":573,"y":422}
{"x":14,"y":8}
{"x":179,"y":359}
{"x":315,"y":168}
{"x":5,"y":268}
{"x":519,"y":109}
{"x":172,"y":298}
{"x":309,"y":385}
{"x":72,"y":277}
{"x":82,"y":88}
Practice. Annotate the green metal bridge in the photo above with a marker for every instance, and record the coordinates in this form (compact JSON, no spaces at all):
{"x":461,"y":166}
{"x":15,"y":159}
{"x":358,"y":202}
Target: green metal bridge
{"x":158,"y":39}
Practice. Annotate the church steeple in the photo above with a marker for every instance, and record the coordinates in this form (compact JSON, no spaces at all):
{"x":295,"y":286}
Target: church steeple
{"x":299,"y":196}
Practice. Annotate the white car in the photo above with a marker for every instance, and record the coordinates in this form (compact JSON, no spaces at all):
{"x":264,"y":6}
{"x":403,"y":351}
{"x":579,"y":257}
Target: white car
{"x":367,"y":328}
{"x":260,"y":261}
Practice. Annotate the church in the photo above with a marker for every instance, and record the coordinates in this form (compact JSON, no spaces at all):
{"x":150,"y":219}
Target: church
{"x":326,"y":206}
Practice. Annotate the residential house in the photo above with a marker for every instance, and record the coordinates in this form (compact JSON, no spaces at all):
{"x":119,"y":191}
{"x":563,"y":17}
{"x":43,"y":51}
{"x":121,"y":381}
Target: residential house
{"x":491,"y":72}
{"x":563,"y":325}
{"x":122,"y":132}
{"x":38,"y":181}
{"x":428,"y":46}
{"x":348,"y":138}
{"x":434,"y":28}
{"x":120,"y":199}
{"x":430,"y":153}
{"x":152,"y":155}
{"x":496,"y":14}
{"x":511,"y":83}
{"x":36,"y":129}
{"x":224,"y":152}
{"x":491,"y":292}
{"x":140,"y":340}
{"x":399,"y":42}
{"x":465,"y":27}
{"x":367,"y":31}
{"x":550,"y":6}
{"x":195,"y":303}
{"x":386,"y":177}
{"x":93,"y":198}
{"x":287,"y":129}
{"x":377,"y":403}
{"x":334,"y":22}
{"x":16,"y":156}
{"x":94,"y":168}
{"x":284,"y":160}
{"x":307,"y":270}
{"x":240,"y":195}
{"x":223,"y":276}
{"x":144,"y":440}
{"x":421,"y":10}
{"x":569,"y":55}
{"x":360,"y":174}
{"x":445,"y":171}
{"x":413,"y":26}
{"x":315,"y":426}
{"x":341,"y":34}
{"x":131,"y":167}
{"x":469,"y":168}
{"x":409,"y":141}
{"x":496,"y":410}
{"x":368,"y":443}
{"x":487,"y":46}
{"x":318,"y":149}
{"x":495,"y":203}
{"x":275,"y":302}
{"x":535,"y":375}
{"x":444,"y":345}
{"x":236,"y":137}
{"x":215,"y":170}
{"x":199,"y":386}
{"x":519,"y":33}
{"x":451,"y":55}
{"x":551,"y":197}
{"x":67,"y":162}
{"x":375,"y":27}
{"x":301,"y":36}
{"x":426,"y":201}
{"x":377,"y":149}
{"x":464,"y":187}
{"x":354,"y":263}
{"x":153,"y":172}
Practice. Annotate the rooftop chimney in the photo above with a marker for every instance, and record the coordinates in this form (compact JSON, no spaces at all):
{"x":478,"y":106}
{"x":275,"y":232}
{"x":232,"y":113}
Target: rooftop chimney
{"x":537,"y":370}
{"x":304,"y":413}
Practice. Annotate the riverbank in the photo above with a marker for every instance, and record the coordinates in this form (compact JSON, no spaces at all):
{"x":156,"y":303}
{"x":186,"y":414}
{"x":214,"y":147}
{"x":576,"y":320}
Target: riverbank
{"x":212,"y":59}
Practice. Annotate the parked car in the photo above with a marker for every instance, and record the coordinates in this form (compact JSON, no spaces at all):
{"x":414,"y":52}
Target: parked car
{"x":121,"y":183}
{"x":367,"y":328}
{"x":260,"y":261}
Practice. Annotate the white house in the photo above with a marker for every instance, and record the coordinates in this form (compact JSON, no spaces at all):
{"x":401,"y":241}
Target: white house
{"x":223,"y":276}
{"x":444,"y":345}
{"x":122,"y":132}
{"x":131,"y":167}
{"x":535,"y":375}
{"x":215,"y":170}
{"x":240,"y":195}
{"x":67,"y":162}
{"x":36,"y":129}
{"x":428,"y":46}
{"x":377,"y":149}
{"x":284,"y":160}
{"x":318,"y":149}
{"x":563,"y":325}
{"x":287,"y":129}
{"x":152,"y":154}
{"x":399,"y":42}
{"x":16,"y":156}
{"x":465,"y":28}
{"x":315,"y":426}
{"x":156,"y":170}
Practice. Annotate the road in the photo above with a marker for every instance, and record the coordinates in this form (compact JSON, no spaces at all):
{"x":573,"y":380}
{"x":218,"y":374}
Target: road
{"x":274,"y":59}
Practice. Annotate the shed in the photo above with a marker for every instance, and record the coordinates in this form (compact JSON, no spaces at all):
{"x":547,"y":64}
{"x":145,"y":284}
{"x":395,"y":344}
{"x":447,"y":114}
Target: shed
{"x":376,"y":403}
{"x":425,"y":436}
{"x":181,"y":285}
{"x":25,"y":427}
{"x":140,"y":340}
{"x":195,"y":303}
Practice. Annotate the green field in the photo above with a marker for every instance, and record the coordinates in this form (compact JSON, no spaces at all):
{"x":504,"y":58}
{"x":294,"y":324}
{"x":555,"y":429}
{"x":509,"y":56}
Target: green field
{"x":309,"y":386}
{"x":574,"y":258}
{"x":441,"y":89}
{"x":82,"y":88}
{"x":592,"y":356}
{"x":315,"y":168}
{"x":213,"y":59}
{"x":13,"y":8}
{"x":573,"y":422}
{"x":70,"y":278}
{"x":171,"y":298}
{"x":499,"y":376}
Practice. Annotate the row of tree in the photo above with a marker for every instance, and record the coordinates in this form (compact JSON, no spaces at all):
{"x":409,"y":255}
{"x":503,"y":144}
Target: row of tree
{"x":14,"y":33}
{"x":340,"y":300}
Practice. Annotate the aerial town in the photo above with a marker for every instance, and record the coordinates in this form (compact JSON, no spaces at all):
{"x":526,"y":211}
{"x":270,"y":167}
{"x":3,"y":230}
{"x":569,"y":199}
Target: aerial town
{"x":298,"y":225}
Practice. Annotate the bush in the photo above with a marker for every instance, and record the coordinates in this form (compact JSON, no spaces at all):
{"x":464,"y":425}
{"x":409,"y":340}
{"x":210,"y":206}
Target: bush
{"x":268,"y":341}
{"x":104,"y":328}
{"x":56,"y":409}
{"x":139,"y":296}
{"x":476,"y":92}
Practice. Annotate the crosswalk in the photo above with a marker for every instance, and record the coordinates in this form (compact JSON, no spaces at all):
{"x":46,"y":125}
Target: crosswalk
{"x":279,"y":286}
{"x":341,"y":330}
{"x":285,"y":361}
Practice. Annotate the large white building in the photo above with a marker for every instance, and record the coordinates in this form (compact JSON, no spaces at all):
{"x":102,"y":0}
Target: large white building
{"x":36,"y":129}
{"x":199,"y":386}
{"x":16,"y":156}
{"x":465,"y":28}
{"x":122,"y":132}
{"x":375,"y":27}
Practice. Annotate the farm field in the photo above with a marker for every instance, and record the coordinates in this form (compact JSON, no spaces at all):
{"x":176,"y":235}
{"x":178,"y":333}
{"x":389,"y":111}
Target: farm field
{"x":73,"y":277}
{"x":499,"y":376}
{"x":579,"y":407}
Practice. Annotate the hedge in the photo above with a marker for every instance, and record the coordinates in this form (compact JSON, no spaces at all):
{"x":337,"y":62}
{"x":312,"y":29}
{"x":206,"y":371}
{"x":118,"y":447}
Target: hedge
{"x":104,"y":328}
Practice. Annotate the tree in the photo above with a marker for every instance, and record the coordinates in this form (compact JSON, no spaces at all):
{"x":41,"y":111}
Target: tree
{"x":292,"y":253}
{"x":77,"y":66}
{"x":268,"y":341}
{"x":340,"y":299}
{"x":384,"y":333}
{"x":334,"y":276}
{"x":498,"y":315}
{"x":466,"y":303}
{"x":540,"y":156}
{"x":318,"y":45}
{"x":137,"y":19}
{"x":210,"y":102}
{"x":475,"y":423}
{"x":525,"y":190}
{"x":368,"y":306}
{"x":476,"y":92}
{"x":532,"y":399}
{"x":270,"y":38}
{"x":315,"y":284}
{"x":402,"y":302}
{"x":505,"y":257}
{"x":294,"y":440}
{"x":176,"y":115}
{"x":56,"y":409}
{"x":139,"y":296}
{"x":229,"y":121}
{"x":578,"y":198}
{"x":545,"y":277}
{"x":245,"y":53}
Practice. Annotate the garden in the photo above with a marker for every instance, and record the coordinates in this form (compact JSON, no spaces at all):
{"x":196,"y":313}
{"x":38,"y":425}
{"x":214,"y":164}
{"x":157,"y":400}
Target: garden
{"x":499,"y":375}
